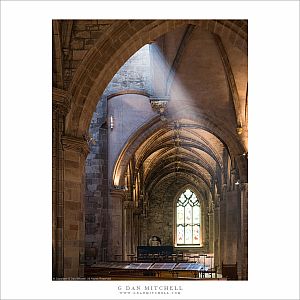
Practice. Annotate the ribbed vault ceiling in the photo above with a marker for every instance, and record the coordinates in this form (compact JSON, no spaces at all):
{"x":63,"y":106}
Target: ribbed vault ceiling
{"x":203,"y":75}
{"x":180,"y":149}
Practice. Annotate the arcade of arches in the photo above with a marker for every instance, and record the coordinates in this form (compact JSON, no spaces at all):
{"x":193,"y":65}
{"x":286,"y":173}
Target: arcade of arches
{"x":149,"y":140}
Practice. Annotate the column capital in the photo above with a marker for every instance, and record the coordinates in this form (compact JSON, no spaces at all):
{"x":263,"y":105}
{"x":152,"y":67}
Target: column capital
{"x":118,"y":193}
{"x":128,"y":204}
{"x":75,"y":144}
{"x":159,"y":104}
{"x":138,"y":211}
{"x":61,"y":101}
{"x":217,"y":201}
{"x":244,"y":186}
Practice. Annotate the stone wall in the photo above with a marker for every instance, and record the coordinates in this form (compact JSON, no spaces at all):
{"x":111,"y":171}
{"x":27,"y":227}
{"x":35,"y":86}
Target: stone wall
{"x":160,"y":213}
{"x":134,"y":75}
{"x":75,"y":152}
{"x":158,"y":223}
{"x":83,"y":37}
{"x":129,"y":112}
{"x":96,"y":195}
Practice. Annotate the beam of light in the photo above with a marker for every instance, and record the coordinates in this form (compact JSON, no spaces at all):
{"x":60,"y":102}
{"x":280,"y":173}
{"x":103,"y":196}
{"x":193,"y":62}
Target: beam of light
{"x":167,"y":84}
{"x":185,"y":99}
{"x":151,"y":69}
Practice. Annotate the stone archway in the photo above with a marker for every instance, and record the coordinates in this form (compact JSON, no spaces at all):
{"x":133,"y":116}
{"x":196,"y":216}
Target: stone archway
{"x":232,"y":142}
{"x":113,"y":49}
{"x":73,"y":111}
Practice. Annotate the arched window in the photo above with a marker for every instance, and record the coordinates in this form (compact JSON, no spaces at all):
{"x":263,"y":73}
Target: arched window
{"x":188,"y":219}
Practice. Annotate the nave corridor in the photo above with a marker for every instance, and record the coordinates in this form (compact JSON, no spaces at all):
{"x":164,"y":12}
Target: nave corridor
{"x":150,"y":153}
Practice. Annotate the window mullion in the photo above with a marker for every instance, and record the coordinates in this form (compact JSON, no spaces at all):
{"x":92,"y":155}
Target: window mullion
{"x":184,"y":224}
{"x":182,"y":203}
{"x":192,"y":223}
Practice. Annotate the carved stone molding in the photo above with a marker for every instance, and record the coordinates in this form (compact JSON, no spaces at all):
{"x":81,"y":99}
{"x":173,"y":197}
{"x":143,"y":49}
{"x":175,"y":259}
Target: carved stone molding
{"x":75,"y":144}
{"x":211,"y":208}
{"x":239,"y":130}
{"x":244,"y":186}
{"x":61,"y":101}
{"x":217,"y":201}
{"x":128,"y":204}
{"x":159,"y":104}
{"x":138,"y":211}
{"x":118,"y":193}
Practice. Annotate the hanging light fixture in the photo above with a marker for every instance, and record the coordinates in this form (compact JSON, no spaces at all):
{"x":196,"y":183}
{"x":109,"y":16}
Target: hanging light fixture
{"x":111,"y":122}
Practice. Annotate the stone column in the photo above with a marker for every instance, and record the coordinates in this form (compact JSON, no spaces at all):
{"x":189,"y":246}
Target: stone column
{"x":232,"y":226}
{"x":244,"y":230}
{"x":211,"y":229}
{"x":136,"y":229}
{"x":116,"y":235}
{"x":217,"y":234}
{"x":75,"y":152}
{"x":96,"y":189}
{"x":127,"y":228}
{"x":204,"y":227}
{"x":60,"y":108}
{"x":223,"y":229}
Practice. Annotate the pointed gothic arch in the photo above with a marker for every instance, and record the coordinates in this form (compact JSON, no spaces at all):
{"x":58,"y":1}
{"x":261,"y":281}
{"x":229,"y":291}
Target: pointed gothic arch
{"x":187,"y":195}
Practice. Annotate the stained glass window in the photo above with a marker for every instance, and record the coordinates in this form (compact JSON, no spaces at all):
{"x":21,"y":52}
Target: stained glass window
{"x":188,"y":219}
